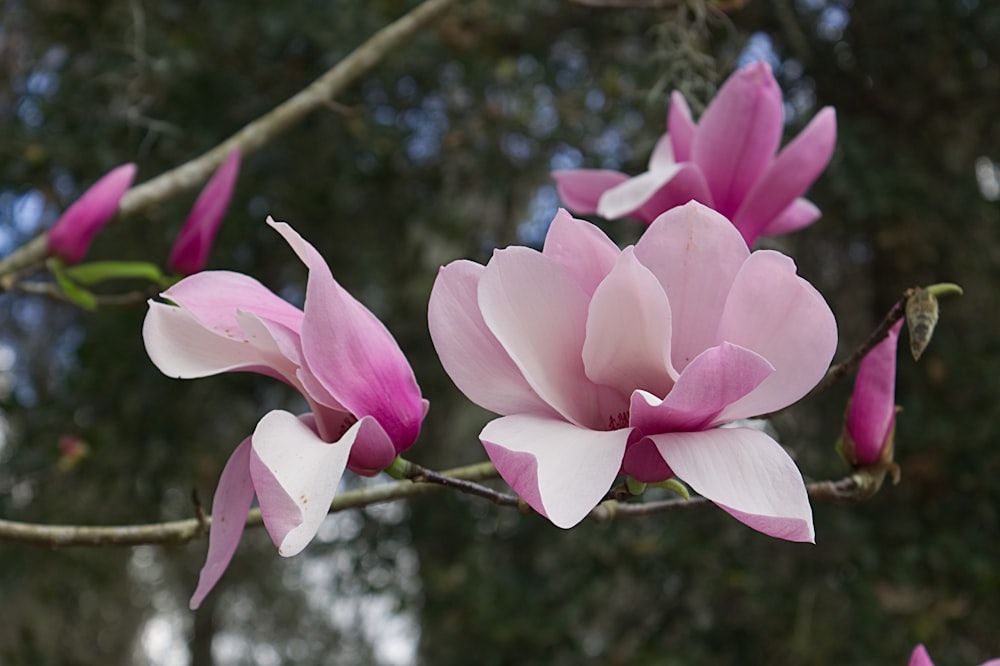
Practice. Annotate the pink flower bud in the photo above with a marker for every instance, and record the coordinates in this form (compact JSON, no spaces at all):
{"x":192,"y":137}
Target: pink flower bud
{"x":76,"y":228}
{"x":194,"y":242}
{"x":871,"y":416}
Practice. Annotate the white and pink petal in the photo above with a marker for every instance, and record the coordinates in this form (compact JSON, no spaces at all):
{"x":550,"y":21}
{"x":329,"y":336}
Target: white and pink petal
{"x":296,"y":475}
{"x":774,"y":312}
{"x":747,"y":474}
{"x":695,"y":253}
{"x":538,"y":313}
{"x":628,"y":331}
{"x":469,"y":351}
{"x":582,"y":249}
{"x":562,"y":471}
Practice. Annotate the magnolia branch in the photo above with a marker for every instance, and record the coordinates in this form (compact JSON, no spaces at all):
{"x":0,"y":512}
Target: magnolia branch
{"x":261,"y":131}
{"x":420,"y":481}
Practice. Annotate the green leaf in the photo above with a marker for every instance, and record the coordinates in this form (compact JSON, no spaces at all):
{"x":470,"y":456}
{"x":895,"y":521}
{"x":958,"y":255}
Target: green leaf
{"x":98,"y":271}
{"x":73,"y":292}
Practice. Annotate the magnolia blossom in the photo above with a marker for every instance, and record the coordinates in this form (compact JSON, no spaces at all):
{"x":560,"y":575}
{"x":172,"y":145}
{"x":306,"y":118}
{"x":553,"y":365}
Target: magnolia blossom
{"x":921,"y":658}
{"x":72,"y":233}
{"x":365,"y":404}
{"x":603,"y":361}
{"x":194,"y":242}
{"x":726,"y":161}
{"x":871,"y":416}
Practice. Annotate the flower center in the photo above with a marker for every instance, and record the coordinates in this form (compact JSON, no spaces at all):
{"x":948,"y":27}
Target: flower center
{"x":618,"y":421}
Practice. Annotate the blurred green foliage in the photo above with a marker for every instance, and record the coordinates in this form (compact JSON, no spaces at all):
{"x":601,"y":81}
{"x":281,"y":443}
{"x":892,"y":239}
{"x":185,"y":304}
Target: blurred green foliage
{"x":443,"y":152}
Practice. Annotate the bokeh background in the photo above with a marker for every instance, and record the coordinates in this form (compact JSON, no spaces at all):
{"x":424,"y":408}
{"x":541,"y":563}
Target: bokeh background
{"x":443,"y":152}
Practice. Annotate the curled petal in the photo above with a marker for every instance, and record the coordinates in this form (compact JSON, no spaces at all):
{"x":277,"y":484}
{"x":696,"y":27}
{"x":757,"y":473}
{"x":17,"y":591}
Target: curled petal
{"x":585,"y":251}
{"x":73,"y":232}
{"x":747,"y":474}
{"x":468,"y":349}
{"x":777,"y":314}
{"x":230,"y":506}
{"x":352,"y":354}
{"x":296,"y":474}
{"x":561,"y":470}
{"x":788,"y":176}
{"x":581,"y":189}
{"x":181,"y":347}
{"x":739,"y":134}
{"x":714,"y":379}
{"x":194,"y":242}
{"x":628,"y":331}
{"x":695,"y":253}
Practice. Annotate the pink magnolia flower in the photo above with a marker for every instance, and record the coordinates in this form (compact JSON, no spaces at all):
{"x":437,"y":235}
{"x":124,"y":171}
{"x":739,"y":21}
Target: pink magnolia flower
{"x":921,"y":658}
{"x":365,"y":404}
{"x":72,"y":233}
{"x":727,"y":162}
{"x":603,"y":361}
{"x":871,"y":415}
{"x":194,"y":242}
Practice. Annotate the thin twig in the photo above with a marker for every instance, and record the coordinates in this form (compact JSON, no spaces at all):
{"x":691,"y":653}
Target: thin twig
{"x":839,"y":370}
{"x":261,"y":131}
{"x":419,"y":474}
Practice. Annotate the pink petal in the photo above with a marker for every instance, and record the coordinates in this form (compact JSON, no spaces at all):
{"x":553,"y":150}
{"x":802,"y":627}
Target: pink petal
{"x":680,"y":127}
{"x":714,"y":379}
{"x":582,"y":249}
{"x":789,"y":176}
{"x":799,"y":214}
{"x":628,"y":331}
{"x":777,"y":314}
{"x":921,"y":658}
{"x":352,"y":354}
{"x":695,"y":253}
{"x":296,"y":475}
{"x":739,"y":134}
{"x":230,"y":506}
{"x":747,"y":474}
{"x":214,"y":297}
{"x":183,"y":348}
{"x":194,"y":242}
{"x":873,"y":404}
{"x":581,"y":189}
{"x":539,"y":315}
{"x":561,"y":470}
{"x":73,"y":232}
{"x":468,"y":349}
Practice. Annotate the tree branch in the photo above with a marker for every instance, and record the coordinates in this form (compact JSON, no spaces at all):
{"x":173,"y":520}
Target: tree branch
{"x":182,"y":531}
{"x":423,"y":482}
{"x":261,"y":131}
